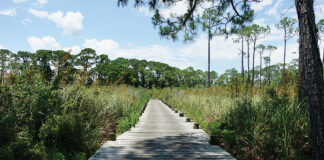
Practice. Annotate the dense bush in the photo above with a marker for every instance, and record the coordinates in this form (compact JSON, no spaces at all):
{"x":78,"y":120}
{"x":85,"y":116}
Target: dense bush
{"x":38,"y":122}
{"x":267,"y":125}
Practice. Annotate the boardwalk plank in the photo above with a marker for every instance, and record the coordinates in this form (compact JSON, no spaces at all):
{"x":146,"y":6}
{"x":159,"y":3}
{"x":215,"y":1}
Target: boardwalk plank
{"x":161,"y":134}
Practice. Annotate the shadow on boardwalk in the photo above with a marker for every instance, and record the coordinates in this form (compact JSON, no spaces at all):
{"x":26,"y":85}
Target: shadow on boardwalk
{"x":167,"y":147}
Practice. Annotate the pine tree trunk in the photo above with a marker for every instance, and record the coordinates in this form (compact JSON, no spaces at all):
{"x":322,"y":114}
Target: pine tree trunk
{"x":285,"y":45}
{"x":1,"y":77}
{"x":242,"y":62}
{"x":85,"y":68}
{"x":253,"y":62}
{"x":260,"y":68}
{"x":2,"y":72}
{"x":323,"y":57}
{"x":283,"y":73}
{"x":209,"y":37}
{"x":312,"y":73}
{"x":248,"y":65}
{"x":300,"y":82}
{"x":269,"y":70}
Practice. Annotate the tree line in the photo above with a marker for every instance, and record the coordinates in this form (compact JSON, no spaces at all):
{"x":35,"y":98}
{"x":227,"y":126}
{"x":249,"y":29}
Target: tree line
{"x":62,"y":68}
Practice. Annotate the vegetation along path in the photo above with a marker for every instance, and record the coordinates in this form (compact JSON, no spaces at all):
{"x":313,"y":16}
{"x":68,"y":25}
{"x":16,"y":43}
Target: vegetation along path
{"x":161,"y":134}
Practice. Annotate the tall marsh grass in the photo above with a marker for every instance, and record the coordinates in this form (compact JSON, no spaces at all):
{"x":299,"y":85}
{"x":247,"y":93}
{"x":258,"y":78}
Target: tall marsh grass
{"x":267,"y":125}
{"x":70,"y":123}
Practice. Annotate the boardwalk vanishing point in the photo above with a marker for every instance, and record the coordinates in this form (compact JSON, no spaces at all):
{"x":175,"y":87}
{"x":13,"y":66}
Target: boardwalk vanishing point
{"x":161,"y":134}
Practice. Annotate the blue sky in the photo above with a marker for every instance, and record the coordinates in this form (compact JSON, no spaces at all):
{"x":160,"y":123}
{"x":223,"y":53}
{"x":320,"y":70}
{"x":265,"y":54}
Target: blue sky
{"x":128,"y":32}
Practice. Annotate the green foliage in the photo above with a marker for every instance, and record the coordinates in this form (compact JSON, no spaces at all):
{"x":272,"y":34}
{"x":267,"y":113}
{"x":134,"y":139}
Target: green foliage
{"x":255,"y":32}
{"x":86,"y":58}
{"x":211,"y":21}
{"x":130,"y":113}
{"x":320,"y":26}
{"x":60,"y":68}
{"x":5,"y":56}
{"x":37,"y":122}
{"x":261,"y":48}
{"x":288,"y":26}
{"x":44,"y":57}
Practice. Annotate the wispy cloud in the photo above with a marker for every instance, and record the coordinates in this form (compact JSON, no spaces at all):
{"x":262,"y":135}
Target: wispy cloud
{"x":8,"y":12}
{"x":274,"y":10}
{"x":25,"y":21}
{"x":19,"y":1}
{"x":259,"y":21}
{"x":40,"y":3}
{"x":260,"y":5}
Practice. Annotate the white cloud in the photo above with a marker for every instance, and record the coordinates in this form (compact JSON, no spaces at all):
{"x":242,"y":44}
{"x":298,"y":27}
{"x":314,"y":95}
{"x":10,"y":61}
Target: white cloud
{"x":37,"y":13}
{"x":260,"y":5}
{"x":101,"y":47}
{"x":179,"y":8}
{"x":46,"y":42}
{"x":25,"y":21}
{"x":221,"y":48}
{"x":19,"y":1}
{"x":274,"y":10}
{"x":259,"y":21}
{"x":8,"y":12}
{"x":1,"y":47}
{"x":71,"y":22}
{"x":73,"y":50}
{"x":42,"y":2}
{"x":319,"y":10}
{"x":145,"y":11}
{"x":275,"y":35}
{"x":193,"y":54}
{"x":277,"y":56}
{"x":152,"y":52}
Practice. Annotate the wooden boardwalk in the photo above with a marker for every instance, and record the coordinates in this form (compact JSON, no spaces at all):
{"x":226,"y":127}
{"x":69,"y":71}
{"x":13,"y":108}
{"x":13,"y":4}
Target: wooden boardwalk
{"x":161,"y":134}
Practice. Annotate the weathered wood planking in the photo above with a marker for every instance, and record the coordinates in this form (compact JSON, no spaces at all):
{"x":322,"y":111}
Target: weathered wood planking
{"x":161,"y":134}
